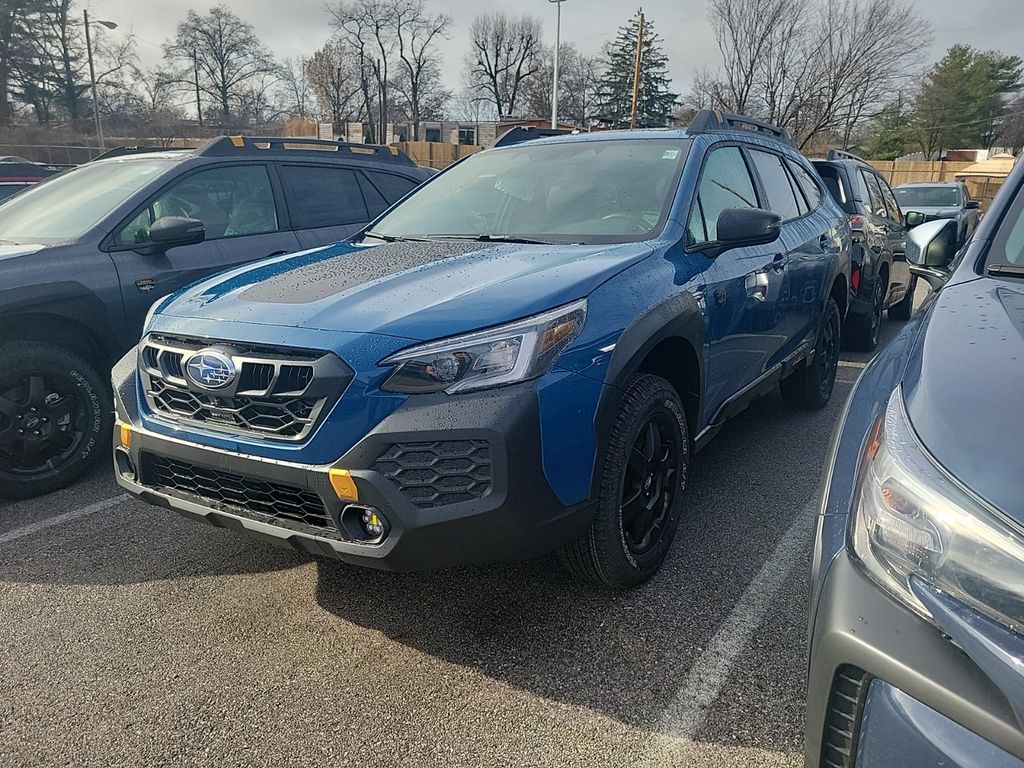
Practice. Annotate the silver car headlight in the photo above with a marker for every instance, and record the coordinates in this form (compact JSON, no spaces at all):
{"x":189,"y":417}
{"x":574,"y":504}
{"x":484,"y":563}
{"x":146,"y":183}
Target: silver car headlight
{"x":913,"y":520}
{"x":507,"y":354}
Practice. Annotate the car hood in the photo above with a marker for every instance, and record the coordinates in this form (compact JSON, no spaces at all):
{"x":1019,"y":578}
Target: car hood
{"x":964,"y":386}
{"x":12,"y":250}
{"x":414,"y":290}
{"x":939,"y":212}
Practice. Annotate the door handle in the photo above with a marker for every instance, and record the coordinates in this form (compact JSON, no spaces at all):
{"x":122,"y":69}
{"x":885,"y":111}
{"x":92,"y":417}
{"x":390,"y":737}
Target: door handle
{"x":779,"y":262}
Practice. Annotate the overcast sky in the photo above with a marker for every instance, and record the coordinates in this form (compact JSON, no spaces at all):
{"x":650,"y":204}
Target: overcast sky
{"x":299,"y":27}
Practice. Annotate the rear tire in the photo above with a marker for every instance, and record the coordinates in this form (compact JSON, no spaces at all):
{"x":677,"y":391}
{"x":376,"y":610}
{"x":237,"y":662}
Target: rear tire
{"x":810,"y":386}
{"x":861,"y":331}
{"x":640,"y":499}
{"x":56,"y":418}
{"x":905,"y":307}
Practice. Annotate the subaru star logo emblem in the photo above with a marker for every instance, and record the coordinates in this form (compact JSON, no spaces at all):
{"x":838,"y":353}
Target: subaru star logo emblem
{"x":210,"y":369}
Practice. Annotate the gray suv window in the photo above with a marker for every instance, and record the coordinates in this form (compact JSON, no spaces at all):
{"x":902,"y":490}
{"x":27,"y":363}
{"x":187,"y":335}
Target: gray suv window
{"x":321,"y":196}
{"x":231,"y":200}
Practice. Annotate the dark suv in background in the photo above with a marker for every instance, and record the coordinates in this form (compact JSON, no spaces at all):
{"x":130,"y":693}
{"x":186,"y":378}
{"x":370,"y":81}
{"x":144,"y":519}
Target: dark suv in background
{"x":879,"y":277}
{"x":84,"y":254}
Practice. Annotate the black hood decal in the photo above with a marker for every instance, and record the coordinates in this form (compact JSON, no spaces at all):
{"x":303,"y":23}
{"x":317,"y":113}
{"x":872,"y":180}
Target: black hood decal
{"x":336,"y":274}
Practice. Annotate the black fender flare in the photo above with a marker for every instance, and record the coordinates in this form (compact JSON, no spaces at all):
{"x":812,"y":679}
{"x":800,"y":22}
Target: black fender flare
{"x":680,"y":316}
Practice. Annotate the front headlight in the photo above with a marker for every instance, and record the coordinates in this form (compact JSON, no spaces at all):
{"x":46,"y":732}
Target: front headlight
{"x":508,"y":354}
{"x":912,"y":520}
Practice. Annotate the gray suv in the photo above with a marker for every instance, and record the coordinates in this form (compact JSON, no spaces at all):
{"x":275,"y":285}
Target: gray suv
{"x":84,"y":254}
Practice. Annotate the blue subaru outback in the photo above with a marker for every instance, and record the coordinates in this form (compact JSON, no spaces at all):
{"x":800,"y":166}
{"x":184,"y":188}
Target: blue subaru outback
{"x":522,"y":356}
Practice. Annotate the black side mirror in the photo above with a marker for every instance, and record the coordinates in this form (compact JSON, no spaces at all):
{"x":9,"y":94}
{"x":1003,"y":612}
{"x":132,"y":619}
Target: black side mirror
{"x":913,"y":219}
{"x":747,"y":226}
{"x":972,"y":205}
{"x":930,"y":248}
{"x":170,"y":231}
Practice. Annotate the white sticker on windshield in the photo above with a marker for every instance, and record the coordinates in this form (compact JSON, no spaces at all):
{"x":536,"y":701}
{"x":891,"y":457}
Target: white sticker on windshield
{"x":670,"y":154}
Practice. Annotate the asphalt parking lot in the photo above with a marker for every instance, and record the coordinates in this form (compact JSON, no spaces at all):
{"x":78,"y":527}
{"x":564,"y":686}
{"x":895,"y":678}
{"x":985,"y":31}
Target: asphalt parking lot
{"x":133,"y":637}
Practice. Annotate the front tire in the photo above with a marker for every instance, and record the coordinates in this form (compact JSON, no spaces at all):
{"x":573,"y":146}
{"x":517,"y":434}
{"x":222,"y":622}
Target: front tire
{"x":640,"y":500}
{"x":55,"y":418}
{"x":810,"y":386}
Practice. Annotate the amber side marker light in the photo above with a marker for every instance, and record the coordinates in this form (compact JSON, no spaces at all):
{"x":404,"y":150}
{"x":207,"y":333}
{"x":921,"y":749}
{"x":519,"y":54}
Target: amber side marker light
{"x":126,"y":436}
{"x":343,"y":484}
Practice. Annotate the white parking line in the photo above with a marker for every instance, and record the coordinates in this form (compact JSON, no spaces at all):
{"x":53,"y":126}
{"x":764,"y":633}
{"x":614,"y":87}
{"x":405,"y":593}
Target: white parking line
{"x":685,"y":714}
{"x":851,"y":364}
{"x":64,"y":517}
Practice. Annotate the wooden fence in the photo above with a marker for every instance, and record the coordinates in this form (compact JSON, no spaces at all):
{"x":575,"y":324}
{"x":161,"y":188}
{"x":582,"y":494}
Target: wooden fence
{"x":435,"y":154}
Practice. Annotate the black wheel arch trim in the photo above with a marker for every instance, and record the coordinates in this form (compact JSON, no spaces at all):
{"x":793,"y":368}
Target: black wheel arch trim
{"x":679,"y":316}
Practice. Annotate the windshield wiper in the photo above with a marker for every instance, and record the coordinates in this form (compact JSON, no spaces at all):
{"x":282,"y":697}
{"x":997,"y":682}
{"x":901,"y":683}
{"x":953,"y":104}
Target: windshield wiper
{"x":394,"y":238}
{"x":485,"y":237}
{"x":1007,"y":270}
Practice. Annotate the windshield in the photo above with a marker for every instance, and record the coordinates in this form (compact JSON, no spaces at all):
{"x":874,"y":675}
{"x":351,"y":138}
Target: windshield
{"x":927,"y":197}
{"x":584,"y":192}
{"x":68,"y":205}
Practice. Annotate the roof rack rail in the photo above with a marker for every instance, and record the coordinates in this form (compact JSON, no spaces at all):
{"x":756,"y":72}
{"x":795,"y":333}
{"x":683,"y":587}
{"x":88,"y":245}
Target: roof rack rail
{"x":842,"y":154}
{"x":708,"y":120}
{"x":225,"y":146}
{"x":522,"y":133}
{"x":124,"y":151}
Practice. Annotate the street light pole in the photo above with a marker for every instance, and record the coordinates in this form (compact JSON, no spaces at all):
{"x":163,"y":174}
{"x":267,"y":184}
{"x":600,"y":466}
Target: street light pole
{"x":558,"y":44}
{"x":92,"y":75}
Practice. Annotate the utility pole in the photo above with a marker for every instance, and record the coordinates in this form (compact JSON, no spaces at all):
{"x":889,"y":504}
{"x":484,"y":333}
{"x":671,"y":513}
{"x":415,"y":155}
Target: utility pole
{"x":636,"y":70}
{"x":558,"y":44}
{"x":195,"y":72}
{"x":92,"y":76}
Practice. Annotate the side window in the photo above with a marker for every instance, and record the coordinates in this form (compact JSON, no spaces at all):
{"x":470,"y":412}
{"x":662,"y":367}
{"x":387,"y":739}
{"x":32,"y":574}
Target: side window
{"x":875,"y":199}
{"x":393,"y":187}
{"x":725,"y":183}
{"x":810,"y":188}
{"x":375,"y":202}
{"x":231,"y":200}
{"x":323,"y":196}
{"x":781,"y":198}
{"x":890,"y":201}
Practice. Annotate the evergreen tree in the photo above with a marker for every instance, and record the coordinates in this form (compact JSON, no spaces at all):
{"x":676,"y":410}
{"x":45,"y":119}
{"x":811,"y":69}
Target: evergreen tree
{"x":615,"y":89}
{"x":892,"y":133}
{"x":963,"y":98}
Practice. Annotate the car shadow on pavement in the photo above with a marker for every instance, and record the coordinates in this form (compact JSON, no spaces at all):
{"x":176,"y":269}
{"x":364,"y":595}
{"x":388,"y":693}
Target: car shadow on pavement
{"x":627,"y":654}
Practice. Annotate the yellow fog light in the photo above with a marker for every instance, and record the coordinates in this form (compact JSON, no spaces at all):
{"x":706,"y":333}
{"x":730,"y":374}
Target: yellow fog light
{"x":126,"y":436}
{"x":343,"y":484}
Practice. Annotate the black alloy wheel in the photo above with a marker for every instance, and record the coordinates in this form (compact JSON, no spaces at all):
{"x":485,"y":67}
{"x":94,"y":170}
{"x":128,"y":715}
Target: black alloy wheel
{"x":648,"y":485}
{"x":810,"y":385}
{"x":642,"y":483}
{"x":54,"y":418}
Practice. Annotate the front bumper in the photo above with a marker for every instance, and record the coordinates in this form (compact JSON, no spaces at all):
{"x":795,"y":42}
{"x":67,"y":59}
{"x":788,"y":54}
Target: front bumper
{"x":517,"y":517}
{"x":889,"y":687}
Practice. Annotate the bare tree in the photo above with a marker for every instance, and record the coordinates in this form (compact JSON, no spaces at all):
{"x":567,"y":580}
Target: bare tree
{"x":578,"y":77}
{"x":296,"y":92}
{"x":504,"y":54}
{"x":367,"y":26}
{"x":334,"y":76}
{"x":230,"y":60}
{"x":813,"y":66}
{"x":416,"y":34}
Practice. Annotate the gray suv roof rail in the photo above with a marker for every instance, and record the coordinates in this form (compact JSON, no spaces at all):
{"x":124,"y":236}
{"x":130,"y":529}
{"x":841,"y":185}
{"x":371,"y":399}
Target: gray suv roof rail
{"x":842,"y":154}
{"x":291,"y":146}
{"x":124,"y":151}
{"x":709,"y":120}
